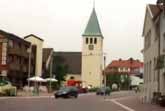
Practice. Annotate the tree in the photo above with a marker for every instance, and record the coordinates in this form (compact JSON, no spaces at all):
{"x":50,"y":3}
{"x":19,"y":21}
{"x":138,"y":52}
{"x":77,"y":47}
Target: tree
{"x":59,"y":68}
{"x":122,"y":80}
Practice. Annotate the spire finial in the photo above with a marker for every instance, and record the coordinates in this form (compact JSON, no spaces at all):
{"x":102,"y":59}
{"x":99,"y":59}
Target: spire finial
{"x":93,"y":3}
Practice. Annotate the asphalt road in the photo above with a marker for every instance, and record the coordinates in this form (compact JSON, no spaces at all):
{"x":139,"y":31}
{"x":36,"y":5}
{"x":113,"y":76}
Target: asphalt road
{"x":117,"y":101}
{"x":82,"y":103}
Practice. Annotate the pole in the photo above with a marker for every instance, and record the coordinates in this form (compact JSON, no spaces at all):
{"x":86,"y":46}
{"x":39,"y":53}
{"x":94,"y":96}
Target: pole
{"x":104,"y":78}
{"x":50,"y":84}
{"x":158,"y":69}
{"x":29,"y":51}
{"x":104,"y":71}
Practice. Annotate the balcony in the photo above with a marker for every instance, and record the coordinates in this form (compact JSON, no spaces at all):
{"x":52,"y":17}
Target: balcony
{"x":24,"y":68}
{"x":18,"y":52}
{"x":14,"y":66}
{"x":14,"y":51}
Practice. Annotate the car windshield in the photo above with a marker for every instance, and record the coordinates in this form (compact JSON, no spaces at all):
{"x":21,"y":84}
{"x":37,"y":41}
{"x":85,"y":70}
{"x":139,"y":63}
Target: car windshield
{"x":2,"y":83}
{"x":65,"y":89}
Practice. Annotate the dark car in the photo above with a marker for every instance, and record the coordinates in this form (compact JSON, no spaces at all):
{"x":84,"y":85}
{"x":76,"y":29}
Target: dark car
{"x":103,"y":91}
{"x":82,"y":90}
{"x":67,"y":92}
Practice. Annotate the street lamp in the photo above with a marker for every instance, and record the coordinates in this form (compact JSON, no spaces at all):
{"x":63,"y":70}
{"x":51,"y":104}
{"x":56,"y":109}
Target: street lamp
{"x":29,"y":51}
{"x":104,"y":76}
{"x":104,"y":71}
{"x":50,"y":84}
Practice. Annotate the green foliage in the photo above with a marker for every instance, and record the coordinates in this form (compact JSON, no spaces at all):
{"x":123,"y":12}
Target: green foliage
{"x":113,"y":78}
{"x":59,"y":69}
{"x":123,"y":81}
{"x":160,"y":62}
{"x":93,"y":89}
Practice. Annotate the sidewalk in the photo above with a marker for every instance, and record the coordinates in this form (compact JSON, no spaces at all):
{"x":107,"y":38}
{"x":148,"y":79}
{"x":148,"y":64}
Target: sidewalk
{"x":24,"y":94}
{"x":132,"y":100}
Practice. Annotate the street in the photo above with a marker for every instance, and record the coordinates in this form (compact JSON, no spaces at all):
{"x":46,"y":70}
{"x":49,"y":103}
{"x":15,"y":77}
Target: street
{"x":119,"y":101}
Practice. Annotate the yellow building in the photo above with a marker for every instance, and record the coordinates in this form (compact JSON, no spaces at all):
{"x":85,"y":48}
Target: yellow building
{"x":38,"y":42}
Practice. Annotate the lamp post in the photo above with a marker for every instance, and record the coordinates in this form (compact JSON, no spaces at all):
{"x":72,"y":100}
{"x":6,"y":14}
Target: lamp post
{"x":29,"y":51}
{"x":104,"y":74}
{"x":104,"y":71}
{"x":50,"y":84}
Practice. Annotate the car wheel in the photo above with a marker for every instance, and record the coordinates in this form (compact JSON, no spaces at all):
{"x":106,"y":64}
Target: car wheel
{"x":56,"y":97}
{"x":76,"y":96}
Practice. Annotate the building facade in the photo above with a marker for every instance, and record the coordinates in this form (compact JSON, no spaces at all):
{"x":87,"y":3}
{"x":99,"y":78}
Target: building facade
{"x":154,"y":47}
{"x":47,"y":62}
{"x":92,"y":53}
{"x":38,"y":43}
{"x":129,"y":67}
{"x":71,"y":61}
{"x":14,"y":58}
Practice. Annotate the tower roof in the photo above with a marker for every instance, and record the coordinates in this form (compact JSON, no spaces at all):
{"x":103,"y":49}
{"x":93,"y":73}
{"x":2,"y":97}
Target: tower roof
{"x":93,"y":27}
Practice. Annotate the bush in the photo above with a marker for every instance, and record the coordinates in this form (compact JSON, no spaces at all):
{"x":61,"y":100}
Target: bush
{"x":10,"y":91}
{"x":93,"y":89}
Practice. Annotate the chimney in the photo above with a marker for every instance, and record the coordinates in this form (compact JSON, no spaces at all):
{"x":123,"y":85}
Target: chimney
{"x":161,"y":4}
{"x":120,"y":59}
{"x":131,"y":60}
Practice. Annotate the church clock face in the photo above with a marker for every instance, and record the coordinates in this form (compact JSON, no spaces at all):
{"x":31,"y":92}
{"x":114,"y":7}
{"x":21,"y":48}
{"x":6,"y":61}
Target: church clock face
{"x":91,"y":47}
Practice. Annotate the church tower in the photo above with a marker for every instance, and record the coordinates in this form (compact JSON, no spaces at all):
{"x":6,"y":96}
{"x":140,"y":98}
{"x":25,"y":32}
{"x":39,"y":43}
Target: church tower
{"x":92,"y":53}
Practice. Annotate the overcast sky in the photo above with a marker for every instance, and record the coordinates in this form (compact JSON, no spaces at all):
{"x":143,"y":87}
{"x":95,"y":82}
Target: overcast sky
{"x":61,"y":23}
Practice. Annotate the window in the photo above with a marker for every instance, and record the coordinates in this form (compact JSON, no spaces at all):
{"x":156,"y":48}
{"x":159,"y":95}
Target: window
{"x":148,"y":39}
{"x":4,"y":51}
{"x":164,"y":42}
{"x":157,"y":30}
{"x":150,"y":72}
{"x":11,"y":43}
{"x":86,"y":40}
{"x":95,"y":41}
{"x":154,"y":66}
{"x":91,"y":40}
{"x":19,"y":45}
{"x":91,"y":47}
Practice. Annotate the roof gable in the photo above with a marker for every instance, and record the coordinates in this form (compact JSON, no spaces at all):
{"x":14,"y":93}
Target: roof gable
{"x":32,"y":35}
{"x":152,"y":13}
{"x":93,"y":27}
{"x":14,"y":37}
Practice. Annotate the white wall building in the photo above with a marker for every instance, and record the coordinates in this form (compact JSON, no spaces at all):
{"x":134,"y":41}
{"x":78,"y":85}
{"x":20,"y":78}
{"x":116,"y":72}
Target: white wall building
{"x":153,"y":31}
{"x":38,"y":42}
{"x":92,"y":53}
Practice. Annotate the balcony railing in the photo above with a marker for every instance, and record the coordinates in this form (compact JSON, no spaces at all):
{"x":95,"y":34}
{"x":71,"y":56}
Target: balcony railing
{"x":19,"y":52}
{"x":14,"y":66}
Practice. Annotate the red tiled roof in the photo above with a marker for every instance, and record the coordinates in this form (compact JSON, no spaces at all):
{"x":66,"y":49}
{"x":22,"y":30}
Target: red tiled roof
{"x":125,"y":63}
{"x":131,"y":64}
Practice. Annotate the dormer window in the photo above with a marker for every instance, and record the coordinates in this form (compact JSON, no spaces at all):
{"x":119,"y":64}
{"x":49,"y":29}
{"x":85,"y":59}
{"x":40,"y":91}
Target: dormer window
{"x":95,"y":41}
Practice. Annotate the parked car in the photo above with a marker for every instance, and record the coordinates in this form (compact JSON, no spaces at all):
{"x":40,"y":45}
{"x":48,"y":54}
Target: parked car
{"x":6,"y":89}
{"x":82,"y":90}
{"x":103,"y":91}
{"x":67,"y":92}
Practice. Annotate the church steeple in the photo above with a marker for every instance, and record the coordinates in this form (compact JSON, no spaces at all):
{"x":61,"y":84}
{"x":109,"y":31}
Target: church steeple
{"x":93,"y":27}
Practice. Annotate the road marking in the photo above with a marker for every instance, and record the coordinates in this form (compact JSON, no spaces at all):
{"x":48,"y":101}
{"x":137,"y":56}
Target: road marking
{"x":121,"y":105}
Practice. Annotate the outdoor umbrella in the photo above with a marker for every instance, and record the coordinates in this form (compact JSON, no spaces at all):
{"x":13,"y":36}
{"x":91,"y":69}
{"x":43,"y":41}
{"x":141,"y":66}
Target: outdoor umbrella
{"x":36,"y":79}
{"x":51,"y":79}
